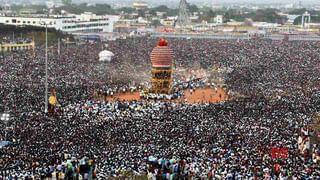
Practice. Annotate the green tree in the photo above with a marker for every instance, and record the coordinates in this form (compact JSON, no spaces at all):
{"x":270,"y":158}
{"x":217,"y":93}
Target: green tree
{"x":155,"y":23}
{"x":193,"y":8}
{"x":101,"y":9}
{"x":164,"y":16}
{"x":208,"y":15}
{"x":233,"y":14}
{"x":153,"y":12}
{"x":162,"y":8}
{"x":141,"y":13}
{"x":268,"y":15}
{"x":66,"y":2}
{"x":83,"y":5}
{"x":127,"y":10}
{"x":297,"y":11}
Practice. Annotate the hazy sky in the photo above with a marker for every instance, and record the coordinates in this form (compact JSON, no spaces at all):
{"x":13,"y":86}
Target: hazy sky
{"x":243,"y":1}
{"x":176,"y":2}
{"x":271,"y":1}
{"x":226,"y":1}
{"x":256,"y":1}
{"x":220,"y":1}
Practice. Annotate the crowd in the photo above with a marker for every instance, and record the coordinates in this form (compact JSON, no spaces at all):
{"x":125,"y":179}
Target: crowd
{"x":12,"y":40}
{"x":161,"y":139}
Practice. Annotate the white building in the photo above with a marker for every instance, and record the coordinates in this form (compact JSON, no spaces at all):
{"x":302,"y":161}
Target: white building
{"x":140,"y":5}
{"x":86,"y":22}
{"x":265,"y":25}
{"x":218,"y":19}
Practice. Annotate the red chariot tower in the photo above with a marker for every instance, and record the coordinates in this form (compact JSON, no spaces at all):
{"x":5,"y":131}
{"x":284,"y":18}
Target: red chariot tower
{"x":161,"y":60}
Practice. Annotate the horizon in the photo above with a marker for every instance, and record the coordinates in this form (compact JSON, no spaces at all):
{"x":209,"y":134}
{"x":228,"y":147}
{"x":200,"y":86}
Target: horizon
{"x":170,"y":3}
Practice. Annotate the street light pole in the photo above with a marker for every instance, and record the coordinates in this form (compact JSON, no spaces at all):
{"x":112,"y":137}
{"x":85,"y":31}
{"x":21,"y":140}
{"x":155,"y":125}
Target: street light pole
{"x":46,"y":82}
{"x":5,"y":132}
{"x":5,"y":117}
{"x":59,"y":46}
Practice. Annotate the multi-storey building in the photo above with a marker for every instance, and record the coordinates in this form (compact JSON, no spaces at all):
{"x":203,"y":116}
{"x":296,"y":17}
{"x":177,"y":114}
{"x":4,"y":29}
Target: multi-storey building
{"x":86,"y":22}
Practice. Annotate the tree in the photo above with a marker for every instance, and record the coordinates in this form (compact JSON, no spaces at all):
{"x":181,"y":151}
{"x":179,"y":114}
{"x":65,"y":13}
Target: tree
{"x":96,"y":9}
{"x":211,"y":13}
{"x":127,"y":10}
{"x":208,"y":15}
{"x":66,"y":2}
{"x":153,"y":12}
{"x":155,"y":23}
{"x":193,"y":8}
{"x":141,"y":13}
{"x":297,"y":11}
{"x":101,"y":9}
{"x":164,"y":16}
{"x":162,"y":8}
{"x":169,"y":11}
{"x":233,"y":14}
{"x":268,"y":15}
{"x":83,"y":5}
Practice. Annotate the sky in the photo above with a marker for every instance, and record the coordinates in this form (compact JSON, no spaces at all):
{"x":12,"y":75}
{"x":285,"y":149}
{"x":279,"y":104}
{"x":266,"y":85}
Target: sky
{"x":267,"y":1}
{"x":270,"y":1}
{"x":237,"y":1}
{"x":176,"y":2}
{"x":219,"y":1}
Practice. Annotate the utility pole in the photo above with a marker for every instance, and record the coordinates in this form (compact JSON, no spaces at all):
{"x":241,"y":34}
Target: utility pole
{"x":59,"y":46}
{"x":46,"y":85}
{"x":46,"y":68}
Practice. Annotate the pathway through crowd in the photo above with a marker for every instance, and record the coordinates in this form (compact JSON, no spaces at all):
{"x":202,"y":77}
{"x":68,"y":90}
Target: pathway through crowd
{"x":197,"y":96}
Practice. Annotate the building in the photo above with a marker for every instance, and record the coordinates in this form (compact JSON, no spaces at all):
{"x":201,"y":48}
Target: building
{"x":129,"y":25}
{"x":161,"y":14}
{"x":218,"y":19}
{"x":96,"y":37}
{"x":86,"y":22}
{"x":203,"y":27}
{"x":140,"y":5}
{"x":265,"y":25}
{"x":27,"y":12}
{"x":291,"y":18}
{"x":167,"y":22}
{"x":6,"y":9}
{"x":194,"y":18}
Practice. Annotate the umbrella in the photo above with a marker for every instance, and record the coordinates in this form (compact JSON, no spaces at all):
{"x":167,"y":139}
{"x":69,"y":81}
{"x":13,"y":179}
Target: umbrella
{"x":152,"y":158}
{"x":172,"y":161}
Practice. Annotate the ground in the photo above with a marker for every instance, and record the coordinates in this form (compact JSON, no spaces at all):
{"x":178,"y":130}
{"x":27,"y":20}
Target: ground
{"x":201,"y":95}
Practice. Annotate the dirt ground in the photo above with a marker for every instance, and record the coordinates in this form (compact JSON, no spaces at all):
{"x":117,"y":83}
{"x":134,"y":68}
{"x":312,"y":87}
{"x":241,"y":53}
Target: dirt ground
{"x":205,"y":95}
{"x":201,"y":95}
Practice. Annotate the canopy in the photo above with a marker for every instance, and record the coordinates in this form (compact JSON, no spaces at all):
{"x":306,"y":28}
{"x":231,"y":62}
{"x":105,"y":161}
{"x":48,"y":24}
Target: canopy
{"x":105,"y":55}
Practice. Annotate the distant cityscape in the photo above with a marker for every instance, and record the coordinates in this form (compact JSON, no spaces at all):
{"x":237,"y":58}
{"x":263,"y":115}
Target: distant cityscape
{"x":174,"y":3}
{"x":134,"y":18}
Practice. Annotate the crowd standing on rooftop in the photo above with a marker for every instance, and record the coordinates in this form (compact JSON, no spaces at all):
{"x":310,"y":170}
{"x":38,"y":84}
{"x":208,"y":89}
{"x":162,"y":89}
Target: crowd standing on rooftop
{"x":17,"y":40}
{"x":162,"y":140}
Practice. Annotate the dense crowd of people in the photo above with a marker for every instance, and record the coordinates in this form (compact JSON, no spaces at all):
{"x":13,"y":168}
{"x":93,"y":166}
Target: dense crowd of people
{"x":279,"y":82}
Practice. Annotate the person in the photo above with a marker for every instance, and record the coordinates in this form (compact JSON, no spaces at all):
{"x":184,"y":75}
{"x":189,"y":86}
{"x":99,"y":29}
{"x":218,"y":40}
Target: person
{"x":234,"y":137}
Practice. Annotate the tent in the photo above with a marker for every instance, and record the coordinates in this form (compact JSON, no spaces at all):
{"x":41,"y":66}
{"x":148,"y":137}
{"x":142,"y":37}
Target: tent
{"x":105,"y":55}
